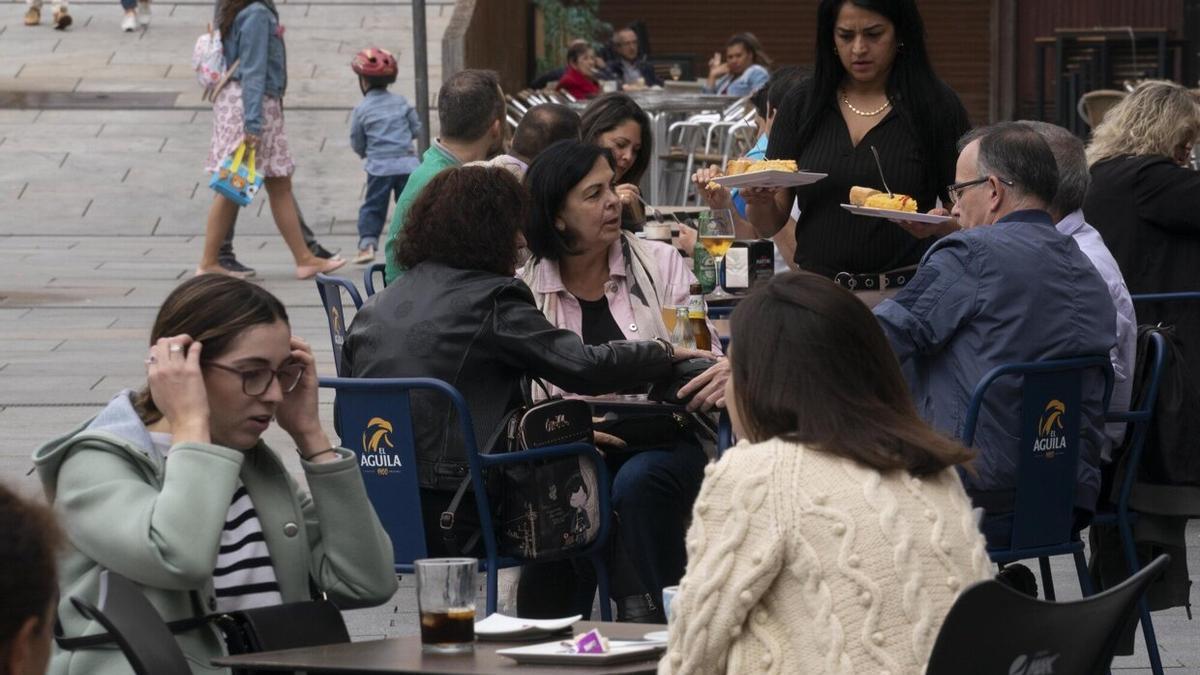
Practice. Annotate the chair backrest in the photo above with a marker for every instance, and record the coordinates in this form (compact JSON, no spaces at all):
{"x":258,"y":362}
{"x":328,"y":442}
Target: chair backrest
{"x":374,"y":419}
{"x":369,"y":274}
{"x":136,"y":626}
{"x":995,"y":630}
{"x":330,"y":289}
{"x":1049,"y":442}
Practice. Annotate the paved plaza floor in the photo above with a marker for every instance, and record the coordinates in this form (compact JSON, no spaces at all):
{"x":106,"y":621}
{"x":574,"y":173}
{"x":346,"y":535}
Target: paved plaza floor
{"x":102,"y":213}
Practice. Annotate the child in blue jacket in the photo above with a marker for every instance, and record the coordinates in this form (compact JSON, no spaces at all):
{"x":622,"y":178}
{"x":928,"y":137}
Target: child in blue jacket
{"x":382,"y":129}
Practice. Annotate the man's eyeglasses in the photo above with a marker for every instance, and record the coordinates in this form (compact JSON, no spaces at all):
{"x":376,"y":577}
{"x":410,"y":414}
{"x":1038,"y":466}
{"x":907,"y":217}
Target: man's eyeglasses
{"x":256,"y":381}
{"x":955,"y":191}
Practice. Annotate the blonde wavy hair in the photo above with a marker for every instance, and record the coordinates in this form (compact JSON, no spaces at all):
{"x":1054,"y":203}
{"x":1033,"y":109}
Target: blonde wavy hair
{"x":1158,"y":118}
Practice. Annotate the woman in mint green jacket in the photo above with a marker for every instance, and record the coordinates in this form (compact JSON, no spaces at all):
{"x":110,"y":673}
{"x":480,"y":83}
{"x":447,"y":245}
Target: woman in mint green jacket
{"x":173,"y":488}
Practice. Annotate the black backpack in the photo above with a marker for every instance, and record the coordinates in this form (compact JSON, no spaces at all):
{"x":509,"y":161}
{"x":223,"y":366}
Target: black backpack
{"x":1172,"y":452}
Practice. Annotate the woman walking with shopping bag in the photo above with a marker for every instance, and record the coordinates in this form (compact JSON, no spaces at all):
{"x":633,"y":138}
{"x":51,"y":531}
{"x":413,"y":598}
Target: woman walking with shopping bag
{"x":249,"y":109}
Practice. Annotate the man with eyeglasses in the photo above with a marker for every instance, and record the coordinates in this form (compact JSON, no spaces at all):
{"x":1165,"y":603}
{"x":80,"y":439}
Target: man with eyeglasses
{"x":628,"y":66}
{"x":1007,"y":288}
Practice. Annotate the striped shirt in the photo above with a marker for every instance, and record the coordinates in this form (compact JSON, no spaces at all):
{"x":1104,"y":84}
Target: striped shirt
{"x":243,"y":577}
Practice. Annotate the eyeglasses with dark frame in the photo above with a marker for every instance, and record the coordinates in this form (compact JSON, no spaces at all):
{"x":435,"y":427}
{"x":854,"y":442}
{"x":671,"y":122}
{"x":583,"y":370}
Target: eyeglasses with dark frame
{"x":256,"y":381}
{"x":955,"y":191}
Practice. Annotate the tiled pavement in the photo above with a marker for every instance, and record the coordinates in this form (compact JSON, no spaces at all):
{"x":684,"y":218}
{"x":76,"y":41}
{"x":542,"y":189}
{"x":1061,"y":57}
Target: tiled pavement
{"x":102,"y":213}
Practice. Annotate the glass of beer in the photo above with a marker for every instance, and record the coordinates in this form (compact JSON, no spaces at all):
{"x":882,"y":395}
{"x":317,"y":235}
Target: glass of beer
{"x":716,"y":236}
{"x":446,"y":600}
{"x":674,"y":296}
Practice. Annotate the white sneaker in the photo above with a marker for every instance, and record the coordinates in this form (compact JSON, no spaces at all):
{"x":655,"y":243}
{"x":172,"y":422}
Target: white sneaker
{"x":143,"y":12}
{"x":129,"y":23}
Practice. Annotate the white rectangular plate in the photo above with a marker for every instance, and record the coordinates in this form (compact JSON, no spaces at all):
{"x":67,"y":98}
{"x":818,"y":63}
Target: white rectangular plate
{"x":499,"y":626}
{"x":892,"y":214}
{"x":554,"y":653}
{"x":773,"y":178}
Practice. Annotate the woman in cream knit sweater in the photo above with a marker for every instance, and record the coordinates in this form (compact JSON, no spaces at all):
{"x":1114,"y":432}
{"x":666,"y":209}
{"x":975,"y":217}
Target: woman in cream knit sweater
{"x":835,"y":537}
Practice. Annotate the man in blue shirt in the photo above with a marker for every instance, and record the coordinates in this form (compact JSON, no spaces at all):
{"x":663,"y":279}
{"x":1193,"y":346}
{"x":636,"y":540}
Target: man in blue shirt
{"x":1007,"y":288}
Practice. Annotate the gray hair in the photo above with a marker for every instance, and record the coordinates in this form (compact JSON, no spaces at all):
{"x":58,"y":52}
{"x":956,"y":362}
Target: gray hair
{"x":1073,"y":176}
{"x":1016,"y":153}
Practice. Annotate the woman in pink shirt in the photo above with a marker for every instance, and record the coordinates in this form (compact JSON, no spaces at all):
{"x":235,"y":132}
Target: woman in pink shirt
{"x":593,"y":278}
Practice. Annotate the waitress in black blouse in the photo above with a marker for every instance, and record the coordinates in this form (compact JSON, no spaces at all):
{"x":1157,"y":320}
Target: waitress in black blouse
{"x":872,"y":85}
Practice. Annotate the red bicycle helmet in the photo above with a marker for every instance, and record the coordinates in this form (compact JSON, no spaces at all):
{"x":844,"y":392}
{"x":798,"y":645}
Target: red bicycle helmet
{"x":374,"y":62}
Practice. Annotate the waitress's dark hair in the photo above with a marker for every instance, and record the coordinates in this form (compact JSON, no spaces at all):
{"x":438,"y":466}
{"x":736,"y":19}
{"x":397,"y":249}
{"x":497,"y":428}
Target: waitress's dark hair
{"x":811,"y":365}
{"x":927,"y":104}
{"x":214,"y":310}
{"x":609,"y":111}
{"x":550,"y":178}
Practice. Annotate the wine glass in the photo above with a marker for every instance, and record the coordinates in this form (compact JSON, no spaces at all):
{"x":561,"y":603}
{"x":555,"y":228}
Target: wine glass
{"x":716,"y":235}
{"x":676,"y":71}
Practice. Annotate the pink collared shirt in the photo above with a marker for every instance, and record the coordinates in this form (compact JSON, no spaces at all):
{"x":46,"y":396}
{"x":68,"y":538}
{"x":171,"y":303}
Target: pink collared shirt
{"x":671,"y":269}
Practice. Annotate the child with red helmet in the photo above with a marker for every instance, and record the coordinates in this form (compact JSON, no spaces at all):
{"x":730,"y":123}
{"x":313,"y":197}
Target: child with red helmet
{"x":382,"y":129}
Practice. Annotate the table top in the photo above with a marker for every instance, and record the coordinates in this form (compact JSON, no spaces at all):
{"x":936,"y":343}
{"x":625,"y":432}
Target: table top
{"x":404,"y":655}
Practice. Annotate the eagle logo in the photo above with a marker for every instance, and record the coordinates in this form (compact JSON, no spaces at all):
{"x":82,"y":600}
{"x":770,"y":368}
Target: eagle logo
{"x":376,"y":437}
{"x":1052,"y":417}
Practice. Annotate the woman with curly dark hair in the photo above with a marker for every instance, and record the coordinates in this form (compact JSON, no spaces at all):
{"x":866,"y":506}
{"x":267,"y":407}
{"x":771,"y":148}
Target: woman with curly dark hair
{"x":459,"y":315}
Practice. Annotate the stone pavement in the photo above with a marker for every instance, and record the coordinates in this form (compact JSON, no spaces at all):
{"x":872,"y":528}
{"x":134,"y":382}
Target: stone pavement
{"x":102,"y":213}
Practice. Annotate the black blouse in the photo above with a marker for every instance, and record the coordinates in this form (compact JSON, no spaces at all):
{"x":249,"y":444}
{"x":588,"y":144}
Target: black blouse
{"x":598,"y":326}
{"x":830,"y":239}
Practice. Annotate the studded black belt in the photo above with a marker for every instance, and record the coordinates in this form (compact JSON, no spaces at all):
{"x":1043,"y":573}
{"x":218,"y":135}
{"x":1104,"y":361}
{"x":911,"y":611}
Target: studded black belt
{"x":875,"y":282}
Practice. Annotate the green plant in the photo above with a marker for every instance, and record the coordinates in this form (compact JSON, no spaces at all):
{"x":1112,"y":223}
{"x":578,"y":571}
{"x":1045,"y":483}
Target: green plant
{"x":566,"y":20}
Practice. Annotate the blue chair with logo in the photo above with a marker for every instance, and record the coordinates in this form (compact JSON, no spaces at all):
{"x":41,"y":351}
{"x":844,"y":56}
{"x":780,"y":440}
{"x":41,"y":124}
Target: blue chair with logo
{"x":330,"y":289}
{"x":374,"y":418}
{"x":1043,"y":508}
{"x":1121,"y":515}
{"x":369,"y":274}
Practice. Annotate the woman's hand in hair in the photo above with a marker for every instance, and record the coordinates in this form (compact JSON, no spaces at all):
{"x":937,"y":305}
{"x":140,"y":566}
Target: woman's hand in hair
{"x":297,"y":412}
{"x":715,"y":196}
{"x":177,"y":387}
{"x":707,"y":390}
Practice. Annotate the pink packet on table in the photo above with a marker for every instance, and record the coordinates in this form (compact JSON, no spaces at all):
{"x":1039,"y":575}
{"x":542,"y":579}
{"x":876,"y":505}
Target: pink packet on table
{"x":590,"y":643}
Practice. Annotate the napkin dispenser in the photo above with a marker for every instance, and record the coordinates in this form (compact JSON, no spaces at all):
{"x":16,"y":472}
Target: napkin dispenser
{"x":749,"y":263}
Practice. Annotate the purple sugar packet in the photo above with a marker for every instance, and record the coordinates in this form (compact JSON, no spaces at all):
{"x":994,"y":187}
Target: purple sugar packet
{"x":589,"y":643}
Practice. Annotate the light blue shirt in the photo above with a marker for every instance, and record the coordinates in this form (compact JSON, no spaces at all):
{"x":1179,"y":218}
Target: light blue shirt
{"x":1124,"y":354}
{"x":1014,"y":291}
{"x":745,"y":84}
{"x":382,"y":128}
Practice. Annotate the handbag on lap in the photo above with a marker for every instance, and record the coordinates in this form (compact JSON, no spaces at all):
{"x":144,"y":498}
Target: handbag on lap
{"x":542,"y":509}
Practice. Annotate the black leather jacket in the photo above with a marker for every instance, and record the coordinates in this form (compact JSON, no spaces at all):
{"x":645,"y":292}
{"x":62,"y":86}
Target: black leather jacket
{"x":481,"y":333}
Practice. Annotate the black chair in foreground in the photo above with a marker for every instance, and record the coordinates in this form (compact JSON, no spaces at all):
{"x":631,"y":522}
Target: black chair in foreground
{"x":136,"y":627}
{"x":995,"y":630}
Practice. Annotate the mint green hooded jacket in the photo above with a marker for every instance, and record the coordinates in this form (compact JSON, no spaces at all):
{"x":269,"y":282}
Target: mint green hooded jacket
{"x":157,"y":522}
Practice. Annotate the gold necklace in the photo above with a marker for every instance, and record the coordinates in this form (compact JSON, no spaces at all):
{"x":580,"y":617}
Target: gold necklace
{"x":864,"y":113}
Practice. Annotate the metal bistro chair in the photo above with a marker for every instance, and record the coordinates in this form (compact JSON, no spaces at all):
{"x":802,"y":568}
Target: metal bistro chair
{"x":135,"y":626}
{"x":374,"y":419}
{"x":330,"y":289}
{"x":369,"y":274}
{"x":1048,"y":459}
{"x":1121,"y":516}
{"x":995,"y":630}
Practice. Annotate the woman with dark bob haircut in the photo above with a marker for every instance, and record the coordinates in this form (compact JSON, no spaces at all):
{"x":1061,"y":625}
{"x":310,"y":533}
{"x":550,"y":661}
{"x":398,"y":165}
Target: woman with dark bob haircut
{"x":593,"y":278}
{"x":460,"y":316}
{"x":839,"y":506}
{"x":872,"y":88}
{"x":615,"y":122}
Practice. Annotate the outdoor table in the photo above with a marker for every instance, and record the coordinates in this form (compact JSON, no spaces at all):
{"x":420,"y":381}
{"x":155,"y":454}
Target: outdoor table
{"x":404,"y":655}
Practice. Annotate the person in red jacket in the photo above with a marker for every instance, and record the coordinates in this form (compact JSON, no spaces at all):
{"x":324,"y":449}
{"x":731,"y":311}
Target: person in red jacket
{"x":579,"y":80}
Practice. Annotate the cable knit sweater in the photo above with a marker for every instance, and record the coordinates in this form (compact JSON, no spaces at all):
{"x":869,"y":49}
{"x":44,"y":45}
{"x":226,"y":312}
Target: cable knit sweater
{"x":803,"y":562}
